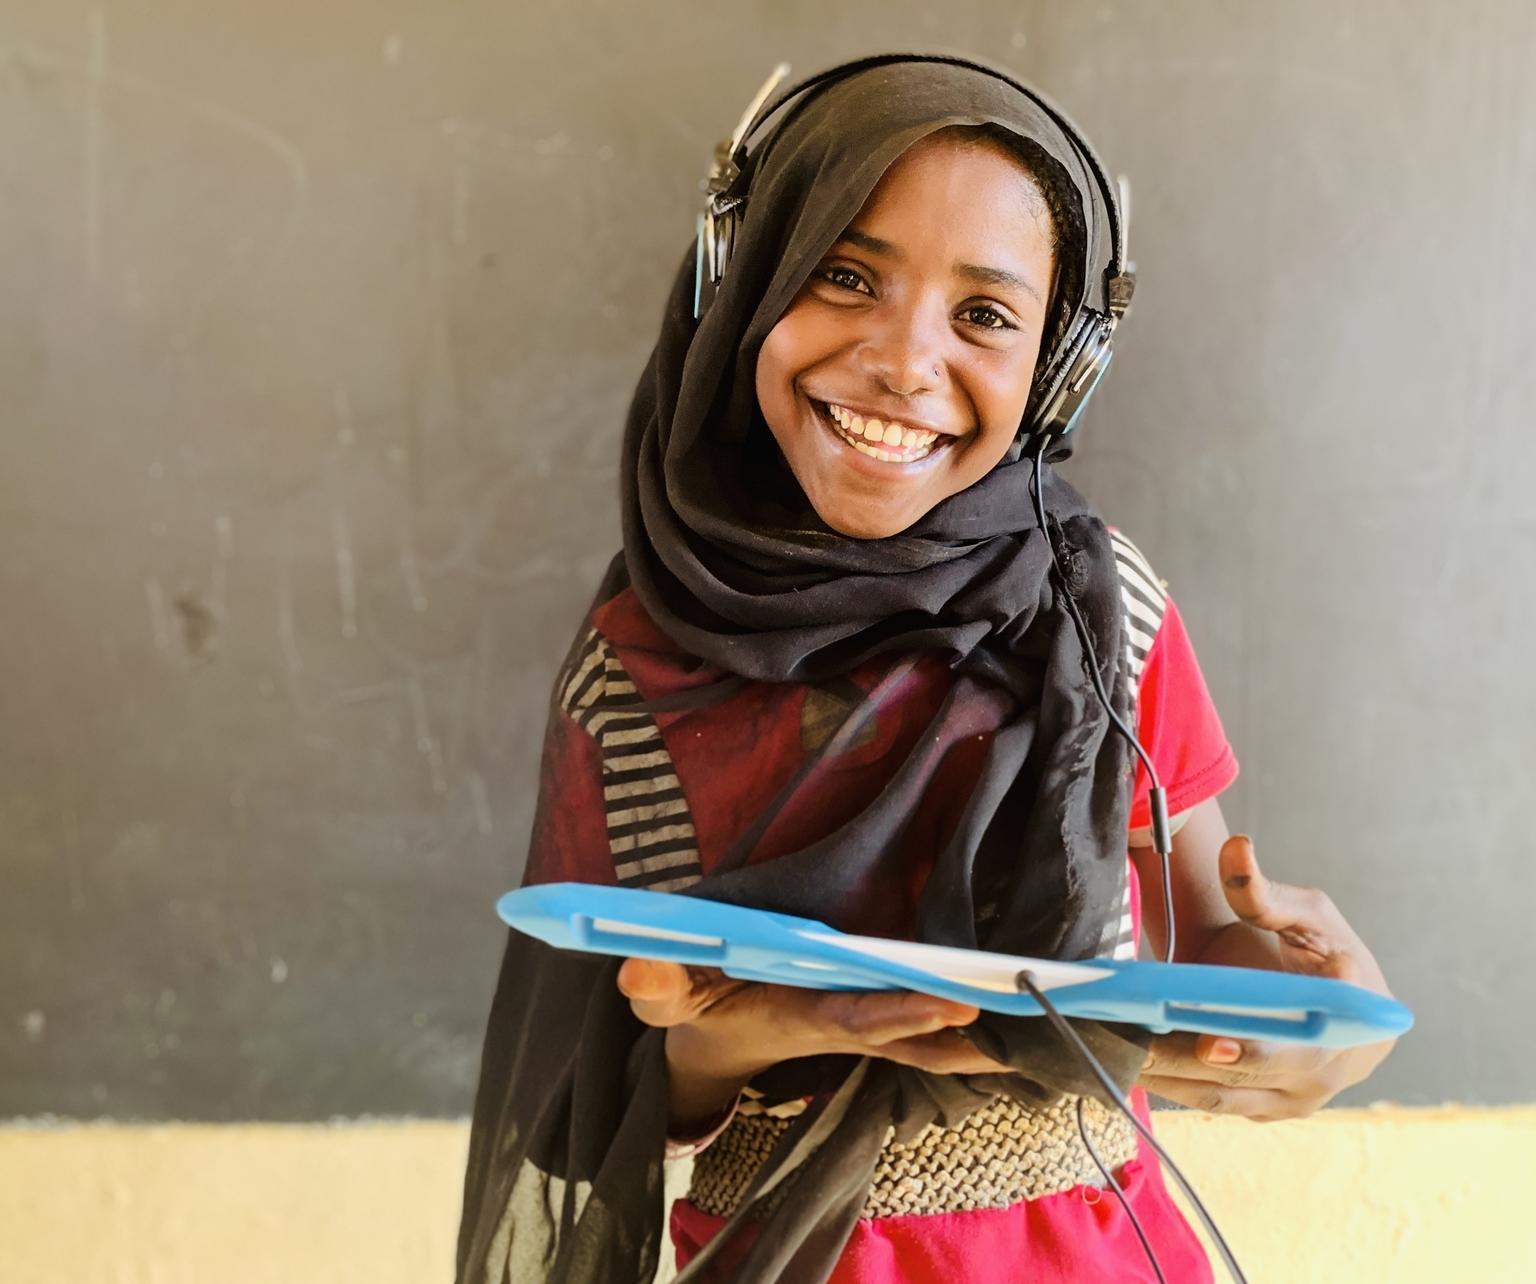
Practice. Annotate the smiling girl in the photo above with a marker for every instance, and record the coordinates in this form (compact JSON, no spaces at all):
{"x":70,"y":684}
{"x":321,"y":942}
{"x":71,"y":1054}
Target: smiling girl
{"x":900,"y":373}
{"x":835,"y":673}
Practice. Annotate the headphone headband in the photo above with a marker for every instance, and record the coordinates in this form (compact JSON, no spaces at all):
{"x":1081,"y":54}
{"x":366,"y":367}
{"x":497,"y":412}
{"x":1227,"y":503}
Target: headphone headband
{"x":1113,"y":192}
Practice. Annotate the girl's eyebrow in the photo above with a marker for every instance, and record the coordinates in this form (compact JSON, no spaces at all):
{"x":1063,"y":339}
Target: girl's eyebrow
{"x":970,"y":271}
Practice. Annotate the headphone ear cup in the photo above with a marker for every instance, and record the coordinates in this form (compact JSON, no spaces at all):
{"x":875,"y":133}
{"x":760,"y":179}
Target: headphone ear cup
{"x":1070,"y":380}
{"x":1053,"y":378}
{"x":725,"y":240}
{"x":716,"y":239}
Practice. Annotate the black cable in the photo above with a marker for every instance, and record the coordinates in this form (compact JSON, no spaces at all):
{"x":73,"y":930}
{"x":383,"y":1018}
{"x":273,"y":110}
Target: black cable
{"x":1082,"y":627}
{"x":1109,"y":1180}
{"x":1161,"y":839}
{"x":1026,"y":981}
{"x":1167,"y":906}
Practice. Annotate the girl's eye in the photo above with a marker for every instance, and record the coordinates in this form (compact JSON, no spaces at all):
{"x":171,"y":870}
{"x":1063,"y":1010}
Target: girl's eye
{"x":998,"y":320}
{"x":852,"y":282}
{"x":845,"y":278}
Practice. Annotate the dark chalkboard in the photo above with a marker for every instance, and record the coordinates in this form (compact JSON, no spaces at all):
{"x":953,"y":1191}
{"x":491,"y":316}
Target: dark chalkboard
{"x":315,"y":341}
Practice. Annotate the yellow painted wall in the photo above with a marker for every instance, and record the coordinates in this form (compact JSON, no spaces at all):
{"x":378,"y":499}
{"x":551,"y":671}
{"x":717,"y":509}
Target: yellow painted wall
{"x":1348,"y":1197}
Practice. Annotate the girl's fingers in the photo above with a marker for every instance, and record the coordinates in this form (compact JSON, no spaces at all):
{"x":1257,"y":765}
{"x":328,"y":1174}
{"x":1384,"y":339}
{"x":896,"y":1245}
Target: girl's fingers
{"x":652,"y":979}
{"x":661,"y":994}
{"x":1305,"y":919}
{"x":865,"y":1022}
{"x":1261,"y":902}
{"x":667,"y":994}
{"x":1236,"y":1063}
{"x":945,"y":1052}
{"x":1261,"y":1104}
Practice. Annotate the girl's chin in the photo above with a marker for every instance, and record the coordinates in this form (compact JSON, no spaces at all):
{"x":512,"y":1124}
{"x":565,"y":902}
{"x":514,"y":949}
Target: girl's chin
{"x":866,"y":519}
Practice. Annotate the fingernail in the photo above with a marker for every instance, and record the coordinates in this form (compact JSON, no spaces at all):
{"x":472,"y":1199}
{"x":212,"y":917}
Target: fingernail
{"x":955,"y":1014}
{"x":640,"y":974}
{"x":1224,"y":1051}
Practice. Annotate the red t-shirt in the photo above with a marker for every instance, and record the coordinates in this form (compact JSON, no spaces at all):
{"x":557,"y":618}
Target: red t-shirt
{"x":657,"y":800}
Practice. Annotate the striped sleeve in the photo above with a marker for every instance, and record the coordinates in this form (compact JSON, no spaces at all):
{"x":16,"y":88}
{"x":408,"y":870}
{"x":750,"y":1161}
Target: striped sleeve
{"x":1143,"y":604}
{"x":1143,"y":601}
{"x":1176,"y":719}
{"x":648,"y":827}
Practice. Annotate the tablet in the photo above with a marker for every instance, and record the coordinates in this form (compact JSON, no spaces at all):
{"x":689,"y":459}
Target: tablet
{"x":759,"y":945}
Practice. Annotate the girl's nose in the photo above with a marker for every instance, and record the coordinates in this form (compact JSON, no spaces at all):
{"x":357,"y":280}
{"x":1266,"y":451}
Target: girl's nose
{"x":904,"y":354}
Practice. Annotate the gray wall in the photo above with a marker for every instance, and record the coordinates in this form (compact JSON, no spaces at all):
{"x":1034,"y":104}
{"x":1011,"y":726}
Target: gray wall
{"x":315,"y":338}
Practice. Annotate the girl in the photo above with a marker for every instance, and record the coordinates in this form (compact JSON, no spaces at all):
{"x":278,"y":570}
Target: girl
{"x":835,"y":673}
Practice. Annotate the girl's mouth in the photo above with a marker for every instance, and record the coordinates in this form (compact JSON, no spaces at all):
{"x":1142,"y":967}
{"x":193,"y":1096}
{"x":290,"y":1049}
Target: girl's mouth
{"x":890,"y":443}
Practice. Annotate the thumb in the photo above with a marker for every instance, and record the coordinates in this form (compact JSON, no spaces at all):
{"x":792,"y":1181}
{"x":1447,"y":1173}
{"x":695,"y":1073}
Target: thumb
{"x":653,"y":981}
{"x":1253,"y":898}
{"x":1313,"y":934}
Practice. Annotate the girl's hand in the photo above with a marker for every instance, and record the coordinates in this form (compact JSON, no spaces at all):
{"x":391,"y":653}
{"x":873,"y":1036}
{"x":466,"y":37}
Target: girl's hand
{"x":1292,"y":929}
{"x":721,"y":1032}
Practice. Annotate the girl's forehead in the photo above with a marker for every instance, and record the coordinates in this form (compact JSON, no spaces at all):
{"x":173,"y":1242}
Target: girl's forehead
{"x":940,"y":171}
{"x":943,"y":189}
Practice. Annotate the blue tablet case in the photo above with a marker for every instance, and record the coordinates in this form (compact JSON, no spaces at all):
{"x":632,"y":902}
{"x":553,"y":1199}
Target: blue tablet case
{"x":758,"y":945}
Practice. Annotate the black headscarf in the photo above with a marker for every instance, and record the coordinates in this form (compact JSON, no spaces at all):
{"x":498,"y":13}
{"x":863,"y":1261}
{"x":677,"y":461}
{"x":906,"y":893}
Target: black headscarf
{"x":564,"y":1176}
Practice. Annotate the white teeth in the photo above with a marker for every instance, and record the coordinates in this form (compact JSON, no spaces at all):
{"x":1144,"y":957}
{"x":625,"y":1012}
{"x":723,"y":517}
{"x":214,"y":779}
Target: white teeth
{"x":868,"y":435}
{"x":886,"y":455}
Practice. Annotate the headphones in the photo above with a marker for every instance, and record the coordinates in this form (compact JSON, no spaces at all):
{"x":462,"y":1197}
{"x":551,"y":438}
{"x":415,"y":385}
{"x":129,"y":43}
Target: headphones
{"x":1073,"y":371}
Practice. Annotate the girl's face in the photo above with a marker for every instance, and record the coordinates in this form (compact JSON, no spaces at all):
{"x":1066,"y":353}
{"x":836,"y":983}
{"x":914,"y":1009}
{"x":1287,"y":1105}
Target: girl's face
{"x":899,"y":374}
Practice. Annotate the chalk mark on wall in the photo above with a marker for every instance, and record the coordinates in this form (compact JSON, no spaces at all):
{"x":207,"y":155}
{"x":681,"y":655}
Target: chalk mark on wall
{"x":97,"y":75}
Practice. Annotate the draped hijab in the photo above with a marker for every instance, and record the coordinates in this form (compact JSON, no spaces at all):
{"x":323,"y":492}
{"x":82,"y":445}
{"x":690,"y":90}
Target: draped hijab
{"x":564,"y":1179}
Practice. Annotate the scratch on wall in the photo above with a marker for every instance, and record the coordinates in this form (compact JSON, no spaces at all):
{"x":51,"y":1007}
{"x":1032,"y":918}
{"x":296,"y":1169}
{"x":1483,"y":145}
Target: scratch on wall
{"x":346,"y":574}
{"x":224,"y":544}
{"x":159,"y":614}
{"x":72,"y":868}
{"x":459,"y":220}
{"x":96,"y":75}
{"x":341,"y":406}
{"x":287,"y":634}
{"x":426,"y":743}
{"x":482,"y":804}
{"x":410,"y":569}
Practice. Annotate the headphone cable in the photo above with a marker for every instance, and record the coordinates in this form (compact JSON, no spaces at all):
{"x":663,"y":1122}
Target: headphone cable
{"x":1162,"y":841}
{"x":1162,"y":838}
{"x":1109,"y":1180}
{"x":1026,"y":981}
